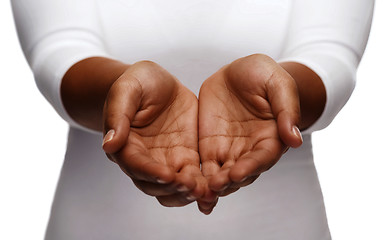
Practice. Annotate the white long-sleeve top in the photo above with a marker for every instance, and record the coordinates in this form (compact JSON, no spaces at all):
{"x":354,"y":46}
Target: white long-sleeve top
{"x":192,"y":40}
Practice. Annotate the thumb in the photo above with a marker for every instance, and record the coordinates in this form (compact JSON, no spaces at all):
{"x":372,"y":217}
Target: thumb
{"x":284,"y":98}
{"x":121,"y":105}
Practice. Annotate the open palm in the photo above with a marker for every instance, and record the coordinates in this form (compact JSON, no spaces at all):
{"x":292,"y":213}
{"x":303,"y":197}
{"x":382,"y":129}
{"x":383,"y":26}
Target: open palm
{"x":155,"y":140}
{"x":247,"y":113}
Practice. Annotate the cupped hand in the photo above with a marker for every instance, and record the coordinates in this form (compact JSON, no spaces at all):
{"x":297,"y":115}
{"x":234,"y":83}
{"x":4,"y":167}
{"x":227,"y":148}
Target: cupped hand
{"x":248,"y":116}
{"x":150,"y":127}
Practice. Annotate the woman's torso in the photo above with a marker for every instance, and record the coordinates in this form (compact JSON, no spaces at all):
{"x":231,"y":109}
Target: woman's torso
{"x":191,"y":39}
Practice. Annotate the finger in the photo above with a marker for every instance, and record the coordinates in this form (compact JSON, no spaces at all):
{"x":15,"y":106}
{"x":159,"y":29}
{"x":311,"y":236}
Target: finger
{"x":183,"y":183}
{"x":207,"y":195}
{"x":228,"y":191}
{"x":216,"y":177}
{"x":207,"y":207}
{"x":248,"y":181}
{"x":175,"y":200}
{"x":207,"y":201}
{"x":220,"y":181}
{"x":236,"y":186}
{"x":257,"y":161}
{"x":142,"y":167}
{"x":191,"y":176}
{"x":110,"y":158}
{"x":156,"y":189}
{"x":210,"y":168}
{"x":284,"y":98}
{"x":122,"y":103}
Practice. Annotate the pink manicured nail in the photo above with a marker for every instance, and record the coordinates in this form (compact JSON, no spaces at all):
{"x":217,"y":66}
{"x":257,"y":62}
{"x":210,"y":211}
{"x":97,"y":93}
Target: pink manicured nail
{"x":297,"y":133}
{"x":108,"y":137}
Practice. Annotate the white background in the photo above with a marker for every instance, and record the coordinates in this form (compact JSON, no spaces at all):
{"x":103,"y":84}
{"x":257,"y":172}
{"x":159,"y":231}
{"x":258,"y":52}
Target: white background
{"x":349,"y":154}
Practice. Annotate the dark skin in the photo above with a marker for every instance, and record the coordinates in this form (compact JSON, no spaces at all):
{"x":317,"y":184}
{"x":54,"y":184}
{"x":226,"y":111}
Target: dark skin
{"x":154,"y":122}
{"x":249,"y":112}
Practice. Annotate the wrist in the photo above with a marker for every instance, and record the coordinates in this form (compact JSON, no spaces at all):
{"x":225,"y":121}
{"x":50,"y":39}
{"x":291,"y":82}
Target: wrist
{"x":85,"y":86}
{"x":312,"y":93}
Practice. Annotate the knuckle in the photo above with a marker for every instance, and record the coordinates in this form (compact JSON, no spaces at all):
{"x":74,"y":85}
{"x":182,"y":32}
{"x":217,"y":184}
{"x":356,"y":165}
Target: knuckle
{"x":146,"y":62}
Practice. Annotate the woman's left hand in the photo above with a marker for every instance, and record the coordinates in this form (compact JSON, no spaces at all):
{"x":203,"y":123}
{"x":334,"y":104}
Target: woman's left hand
{"x":248,"y":117}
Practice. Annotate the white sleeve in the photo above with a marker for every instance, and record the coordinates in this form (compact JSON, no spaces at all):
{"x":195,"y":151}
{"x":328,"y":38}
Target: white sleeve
{"x":329,"y":37}
{"x":54,"y":35}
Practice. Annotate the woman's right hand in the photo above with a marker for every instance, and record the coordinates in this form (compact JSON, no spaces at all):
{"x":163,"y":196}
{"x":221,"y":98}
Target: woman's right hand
{"x":150,"y":131}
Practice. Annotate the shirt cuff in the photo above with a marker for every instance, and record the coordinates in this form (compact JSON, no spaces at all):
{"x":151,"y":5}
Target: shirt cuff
{"x":338,"y":76}
{"x":54,"y":57}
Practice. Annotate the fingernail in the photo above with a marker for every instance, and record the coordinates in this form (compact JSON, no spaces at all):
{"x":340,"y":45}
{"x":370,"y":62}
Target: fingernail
{"x":108,"y":137}
{"x":242,"y":180}
{"x":160,"y":181}
{"x":190,"y":197}
{"x":223,"y":188}
{"x":182,"y":188}
{"x":296,"y":132}
{"x":286,"y":150}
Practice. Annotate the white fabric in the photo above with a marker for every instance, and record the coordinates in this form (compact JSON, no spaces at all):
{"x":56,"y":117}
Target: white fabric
{"x":191,"y":39}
